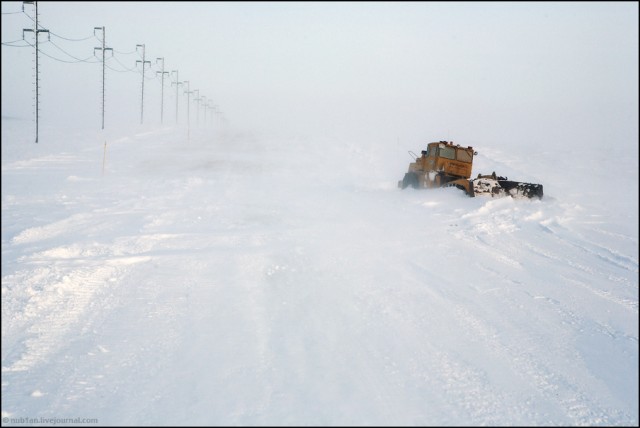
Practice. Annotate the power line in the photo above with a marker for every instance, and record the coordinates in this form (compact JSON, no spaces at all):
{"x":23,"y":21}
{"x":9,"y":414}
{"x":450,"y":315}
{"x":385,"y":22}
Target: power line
{"x":47,"y":55}
{"x":67,"y":53}
{"x":72,"y":40}
{"x":65,"y":61}
{"x":61,"y":37}
{"x":147,"y":78}
{"x":55,"y":34}
{"x":15,"y":41}
{"x":124,"y":66}
{"x":38,"y":28}
{"x":116,"y":70}
{"x":125,"y":53}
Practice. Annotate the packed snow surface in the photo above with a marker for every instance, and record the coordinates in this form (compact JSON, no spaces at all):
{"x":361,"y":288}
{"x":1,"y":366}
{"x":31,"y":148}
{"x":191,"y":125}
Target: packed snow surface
{"x":238,"y":278}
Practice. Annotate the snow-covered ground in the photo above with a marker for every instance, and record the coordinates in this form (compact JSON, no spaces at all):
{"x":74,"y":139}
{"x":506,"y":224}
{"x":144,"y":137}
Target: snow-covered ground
{"x":238,"y":278}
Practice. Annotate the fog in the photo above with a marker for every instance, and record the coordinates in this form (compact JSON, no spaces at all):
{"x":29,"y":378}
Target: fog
{"x":263,"y":268}
{"x":530,"y":74}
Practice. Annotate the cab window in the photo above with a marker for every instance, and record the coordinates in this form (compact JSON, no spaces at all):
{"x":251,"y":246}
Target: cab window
{"x":447,"y":152}
{"x":464,"y":155}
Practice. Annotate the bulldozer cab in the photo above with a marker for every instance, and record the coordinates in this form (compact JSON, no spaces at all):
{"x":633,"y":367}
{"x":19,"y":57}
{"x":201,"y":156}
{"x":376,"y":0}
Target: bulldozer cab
{"x":447,"y":158}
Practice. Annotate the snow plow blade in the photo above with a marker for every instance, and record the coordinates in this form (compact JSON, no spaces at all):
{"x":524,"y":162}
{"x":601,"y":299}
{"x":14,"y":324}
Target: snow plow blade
{"x":494,"y":186}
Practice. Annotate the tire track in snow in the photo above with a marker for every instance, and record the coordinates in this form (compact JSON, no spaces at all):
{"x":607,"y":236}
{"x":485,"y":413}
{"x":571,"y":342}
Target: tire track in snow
{"x":459,"y":390}
{"x":623,"y":282}
{"x":471,"y":391}
{"x":591,"y":248}
{"x":39,"y":233}
{"x":47,"y":302}
{"x":608,"y":295}
{"x":56,"y":299}
{"x":502,"y":213}
{"x":574,"y":402}
{"x":59,"y":161}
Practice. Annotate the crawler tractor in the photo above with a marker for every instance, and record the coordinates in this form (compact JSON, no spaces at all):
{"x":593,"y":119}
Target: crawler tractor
{"x":444,"y":164}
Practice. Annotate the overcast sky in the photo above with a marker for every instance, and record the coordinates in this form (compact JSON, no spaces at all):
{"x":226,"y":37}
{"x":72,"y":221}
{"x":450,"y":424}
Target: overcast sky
{"x":558,"y":72}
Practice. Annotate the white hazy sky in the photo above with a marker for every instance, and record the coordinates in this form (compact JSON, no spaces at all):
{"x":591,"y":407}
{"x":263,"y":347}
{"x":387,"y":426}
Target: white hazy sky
{"x":532,"y":72}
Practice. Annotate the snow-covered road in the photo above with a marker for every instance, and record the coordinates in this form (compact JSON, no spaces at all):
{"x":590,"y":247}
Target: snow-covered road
{"x":239,"y":279}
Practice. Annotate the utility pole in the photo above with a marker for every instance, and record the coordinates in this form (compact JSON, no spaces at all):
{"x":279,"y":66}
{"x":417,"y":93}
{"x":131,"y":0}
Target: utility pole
{"x":219,"y":116}
{"x":36,"y":31}
{"x":216,"y":115}
{"x":177,"y":97}
{"x":198,"y":111}
{"x":143,"y":62}
{"x":212,"y":116}
{"x":186,"y":82}
{"x":204,"y":104}
{"x":104,"y":49}
{"x":213,"y":120}
{"x":162,"y":73}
